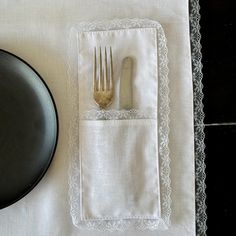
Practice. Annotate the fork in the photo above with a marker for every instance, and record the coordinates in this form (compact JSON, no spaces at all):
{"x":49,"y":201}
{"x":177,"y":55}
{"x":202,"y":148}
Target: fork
{"x":103,"y":78}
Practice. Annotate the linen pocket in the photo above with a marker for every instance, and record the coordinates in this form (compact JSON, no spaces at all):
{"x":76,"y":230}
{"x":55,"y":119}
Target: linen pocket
{"x":119,"y":176}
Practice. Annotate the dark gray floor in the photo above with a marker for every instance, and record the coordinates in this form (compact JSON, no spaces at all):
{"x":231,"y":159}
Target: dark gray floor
{"x":218,"y":26}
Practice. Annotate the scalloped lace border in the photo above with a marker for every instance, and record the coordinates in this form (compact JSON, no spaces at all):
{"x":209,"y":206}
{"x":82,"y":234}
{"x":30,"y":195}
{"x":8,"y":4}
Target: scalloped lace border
{"x":200,"y":174}
{"x":163,"y":132}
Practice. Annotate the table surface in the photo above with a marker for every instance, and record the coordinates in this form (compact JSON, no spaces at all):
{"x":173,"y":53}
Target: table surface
{"x":218,"y":25}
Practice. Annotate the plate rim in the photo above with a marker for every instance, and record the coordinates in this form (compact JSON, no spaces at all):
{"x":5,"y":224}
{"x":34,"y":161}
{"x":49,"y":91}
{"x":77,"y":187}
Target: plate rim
{"x":39,"y":178}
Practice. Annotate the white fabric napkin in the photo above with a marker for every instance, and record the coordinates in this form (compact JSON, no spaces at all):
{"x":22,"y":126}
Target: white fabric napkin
{"x":115,"y":162}
{"x":119,"y":175}
{"x":39,"y":33}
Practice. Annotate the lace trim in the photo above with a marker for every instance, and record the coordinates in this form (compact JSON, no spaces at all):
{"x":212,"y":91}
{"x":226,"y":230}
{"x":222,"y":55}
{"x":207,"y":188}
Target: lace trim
{"x":117,"y":115}
{"x":121,"y":225}
{"x":200,"y":175}
{"x":163,"y":131}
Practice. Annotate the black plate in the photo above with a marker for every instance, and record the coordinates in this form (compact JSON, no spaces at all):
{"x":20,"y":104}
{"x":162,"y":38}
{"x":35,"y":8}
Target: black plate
{"x":28,"y":128}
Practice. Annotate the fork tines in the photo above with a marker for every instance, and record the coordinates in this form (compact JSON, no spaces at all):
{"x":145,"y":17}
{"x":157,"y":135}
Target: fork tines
{"x":102,"y":72}
{"x":103,"y":78}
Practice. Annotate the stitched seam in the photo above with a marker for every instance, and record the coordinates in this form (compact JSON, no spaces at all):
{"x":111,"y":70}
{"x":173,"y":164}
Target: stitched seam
{"x":121,"y":218}
{"x":80,"y":146}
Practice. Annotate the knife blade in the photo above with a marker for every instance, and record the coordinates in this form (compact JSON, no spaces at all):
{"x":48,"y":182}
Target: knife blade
{"x":126,"y":84}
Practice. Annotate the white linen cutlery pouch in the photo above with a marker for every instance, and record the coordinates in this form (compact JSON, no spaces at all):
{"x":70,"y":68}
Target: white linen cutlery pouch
{"x":119,"y":171}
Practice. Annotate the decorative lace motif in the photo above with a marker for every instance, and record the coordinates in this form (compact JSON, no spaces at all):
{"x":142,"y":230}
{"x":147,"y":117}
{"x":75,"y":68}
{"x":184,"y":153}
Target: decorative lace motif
{"x":200,"y":175}
{"x":163,"y":130}
{"x":117,"y":115}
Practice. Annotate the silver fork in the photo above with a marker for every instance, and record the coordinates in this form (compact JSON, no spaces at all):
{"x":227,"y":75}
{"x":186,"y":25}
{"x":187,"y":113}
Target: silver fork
{"x":103,"y":78}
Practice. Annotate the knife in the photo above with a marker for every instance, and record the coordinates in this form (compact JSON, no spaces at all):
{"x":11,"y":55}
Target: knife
{"x":126,"y":84}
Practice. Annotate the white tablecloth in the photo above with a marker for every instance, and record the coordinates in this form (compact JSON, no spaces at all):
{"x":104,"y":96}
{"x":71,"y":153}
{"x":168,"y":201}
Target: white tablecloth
{"x":38,"y":32}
